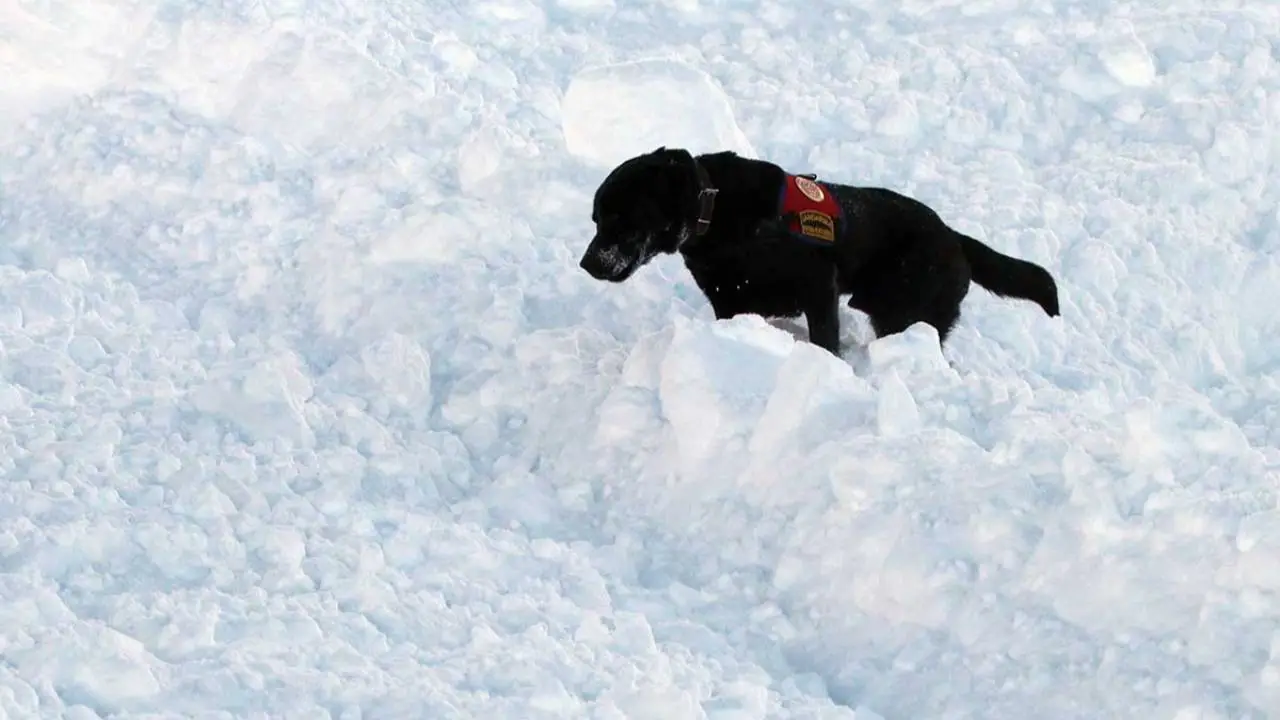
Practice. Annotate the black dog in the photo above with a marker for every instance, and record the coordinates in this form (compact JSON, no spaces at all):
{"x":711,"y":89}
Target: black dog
{"x":759,"y":240}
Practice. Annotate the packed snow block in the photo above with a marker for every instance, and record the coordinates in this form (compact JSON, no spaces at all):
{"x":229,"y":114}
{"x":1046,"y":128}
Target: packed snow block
{"x":816,"y":397}
{"x":392,"y":373}
{"x":613,"y":112}
{"x":643,"y":366}
{"x":914,"y":350}
{"x":896,"y":409}
{"x":13,"y":403}
{"x":630,"y":418}
{"x":895,"y":361}
{"x":738,"y":701}
{"x":51,"y":55}
{"x":431,"y":235}
{"x":400,"y":371}
{"x":17,"y":696}
{"x":1254,"y":309}
{"x":37,"y":302}
{"x":627,"y":417}
{"x":264,"y":399}
{"x":715,"y":380}
{"x":95,"y":665}
{"x":44,"y":372}
{"x":1258,"y":543}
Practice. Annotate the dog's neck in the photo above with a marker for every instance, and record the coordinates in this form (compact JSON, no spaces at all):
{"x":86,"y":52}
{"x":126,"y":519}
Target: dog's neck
{"x":706,"y":199}
{"x":743,"y":191}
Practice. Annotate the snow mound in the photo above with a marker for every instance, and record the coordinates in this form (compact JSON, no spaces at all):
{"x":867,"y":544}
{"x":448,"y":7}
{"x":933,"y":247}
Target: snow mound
{"x":51,"y":52}
{"x":305,"y":410}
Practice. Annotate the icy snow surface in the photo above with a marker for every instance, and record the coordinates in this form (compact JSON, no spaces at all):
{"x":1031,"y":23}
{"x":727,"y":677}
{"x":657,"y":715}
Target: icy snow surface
{"x":306,"y":410}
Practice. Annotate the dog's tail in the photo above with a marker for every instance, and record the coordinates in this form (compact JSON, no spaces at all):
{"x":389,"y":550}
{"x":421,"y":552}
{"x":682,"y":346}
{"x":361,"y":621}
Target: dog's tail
{"x":1010,"y":277}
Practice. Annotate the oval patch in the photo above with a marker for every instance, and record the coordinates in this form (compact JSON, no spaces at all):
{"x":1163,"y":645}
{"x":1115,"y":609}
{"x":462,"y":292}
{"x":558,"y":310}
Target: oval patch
{"x":810,"y":189}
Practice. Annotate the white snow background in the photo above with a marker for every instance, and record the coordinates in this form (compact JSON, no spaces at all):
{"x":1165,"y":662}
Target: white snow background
{"x":306,"y":410}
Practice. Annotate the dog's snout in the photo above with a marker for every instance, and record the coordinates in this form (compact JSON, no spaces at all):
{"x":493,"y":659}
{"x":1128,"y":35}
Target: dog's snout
{"x":593,"y":263}
{"x":605,"y":259}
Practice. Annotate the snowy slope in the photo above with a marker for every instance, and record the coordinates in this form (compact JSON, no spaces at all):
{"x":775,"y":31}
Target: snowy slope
{"x":306,"y":411}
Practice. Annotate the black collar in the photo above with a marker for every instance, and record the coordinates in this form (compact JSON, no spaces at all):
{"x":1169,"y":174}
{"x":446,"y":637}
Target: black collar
{"x":706,"y":198}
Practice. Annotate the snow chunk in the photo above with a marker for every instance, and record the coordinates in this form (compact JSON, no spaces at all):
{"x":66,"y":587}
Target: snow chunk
{"x":614,"y":112}
{"x":96,"y":666}
{"x":266,"y":400}
{"x":913,"y":350}
{"x":1128,"y":61}
{"x":42,"y":300}
{"x":716,"y":378}
{"x":52,"y":52}
{"x":401,"y":370}
{"x":810,"y":392}
{"x":897,"y":411}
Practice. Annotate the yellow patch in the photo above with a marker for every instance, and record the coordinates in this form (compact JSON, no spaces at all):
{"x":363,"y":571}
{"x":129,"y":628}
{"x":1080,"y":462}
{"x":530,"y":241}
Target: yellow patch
{"x":817,"y":225}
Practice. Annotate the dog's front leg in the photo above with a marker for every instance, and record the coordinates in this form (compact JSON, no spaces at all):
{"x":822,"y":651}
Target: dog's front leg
{"x":823,"y":315}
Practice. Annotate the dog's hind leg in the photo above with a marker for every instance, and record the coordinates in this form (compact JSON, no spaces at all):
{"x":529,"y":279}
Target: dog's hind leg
{"x":943,"y":319}
{"x":925,"y":285}
{"x":890,"y":323}
{"x":942,"y":312}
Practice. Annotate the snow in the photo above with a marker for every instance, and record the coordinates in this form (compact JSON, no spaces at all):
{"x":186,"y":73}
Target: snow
{"x":694,"y":112}
{"x":306,"y":411}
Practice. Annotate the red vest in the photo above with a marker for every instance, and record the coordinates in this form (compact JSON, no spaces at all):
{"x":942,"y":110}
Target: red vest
{"x":810,"y":210}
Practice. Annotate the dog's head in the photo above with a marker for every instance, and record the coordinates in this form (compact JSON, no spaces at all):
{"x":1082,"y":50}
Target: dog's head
{"x":645,"y":207}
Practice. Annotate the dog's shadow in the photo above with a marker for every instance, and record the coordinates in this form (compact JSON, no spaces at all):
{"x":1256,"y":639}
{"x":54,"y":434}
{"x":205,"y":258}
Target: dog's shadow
{"x":855,"y":334}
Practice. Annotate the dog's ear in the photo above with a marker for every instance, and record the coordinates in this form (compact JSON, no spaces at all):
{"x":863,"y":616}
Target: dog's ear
{"x":673,"y":156}
{"x":677,"y":156}
{"x":681,"y":186}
